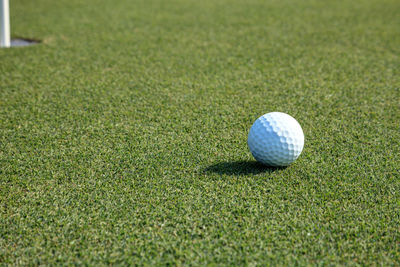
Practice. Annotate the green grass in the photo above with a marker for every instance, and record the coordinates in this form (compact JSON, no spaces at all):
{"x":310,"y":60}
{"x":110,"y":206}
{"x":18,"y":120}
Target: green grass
{"x":123,"y":134}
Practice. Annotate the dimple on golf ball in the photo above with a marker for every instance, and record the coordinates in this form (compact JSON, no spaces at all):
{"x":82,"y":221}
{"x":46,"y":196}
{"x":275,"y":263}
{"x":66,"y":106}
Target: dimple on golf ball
{"x":276,"y":139}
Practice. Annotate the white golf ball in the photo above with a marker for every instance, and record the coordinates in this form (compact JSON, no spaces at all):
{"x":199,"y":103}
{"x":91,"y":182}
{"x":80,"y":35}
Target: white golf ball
{"x":276,"y":139}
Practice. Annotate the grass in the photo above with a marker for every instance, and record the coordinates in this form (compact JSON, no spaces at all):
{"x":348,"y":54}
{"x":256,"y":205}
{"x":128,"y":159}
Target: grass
{"x":123,"y":134}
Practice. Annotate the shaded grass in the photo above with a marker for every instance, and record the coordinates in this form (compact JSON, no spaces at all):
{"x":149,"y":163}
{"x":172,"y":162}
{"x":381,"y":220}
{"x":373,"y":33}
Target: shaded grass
{"x":123,"y":135}
{"x":241,"y":167}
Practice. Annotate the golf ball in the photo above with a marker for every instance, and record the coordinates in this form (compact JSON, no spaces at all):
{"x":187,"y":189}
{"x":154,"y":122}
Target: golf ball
{"x":276,"y":139}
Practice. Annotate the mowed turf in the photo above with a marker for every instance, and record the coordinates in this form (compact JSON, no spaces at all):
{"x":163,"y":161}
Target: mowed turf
{"x":123,"y":134}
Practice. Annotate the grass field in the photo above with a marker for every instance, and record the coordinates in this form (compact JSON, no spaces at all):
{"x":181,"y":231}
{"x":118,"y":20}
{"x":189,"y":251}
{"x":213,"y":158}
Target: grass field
{"x":123,"y":133}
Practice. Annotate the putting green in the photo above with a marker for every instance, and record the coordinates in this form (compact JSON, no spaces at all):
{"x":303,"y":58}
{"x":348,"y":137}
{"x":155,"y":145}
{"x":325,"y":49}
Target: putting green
{"x":123,"y":133}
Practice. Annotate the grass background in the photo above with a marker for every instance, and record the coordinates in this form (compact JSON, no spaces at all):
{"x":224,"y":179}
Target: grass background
{"x":123,"y":134}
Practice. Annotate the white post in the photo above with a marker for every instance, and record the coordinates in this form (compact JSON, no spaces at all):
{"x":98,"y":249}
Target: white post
{"x":4,"y":23}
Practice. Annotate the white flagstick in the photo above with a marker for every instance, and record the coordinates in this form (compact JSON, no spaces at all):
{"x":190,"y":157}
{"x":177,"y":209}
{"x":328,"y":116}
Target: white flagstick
{"x":4,"y":23}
